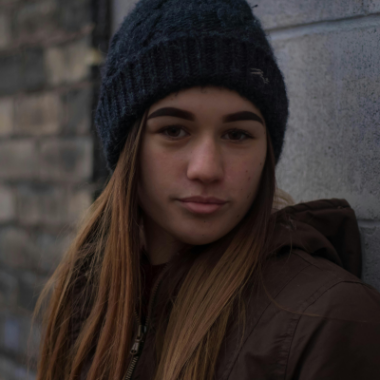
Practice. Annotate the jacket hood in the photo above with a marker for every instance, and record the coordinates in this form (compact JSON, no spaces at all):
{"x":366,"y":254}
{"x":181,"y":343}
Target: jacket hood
{"x":327,"y":228}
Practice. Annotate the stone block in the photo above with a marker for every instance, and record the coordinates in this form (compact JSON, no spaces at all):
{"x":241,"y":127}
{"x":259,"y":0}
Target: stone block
{"x":7,"y":369}
{"x":15,"y":336}
{"x":34,"y":74}
{"x":6,"y":116}
{"x":74,"y":14}
{"x":23,"y":373}
{"x":370,"y":235}
{"x":36,"y":21}
{"x":8,"y":290}
{"x":332,"y":144}
{"x":5,"y":30}
{"x":41,"y":252}
{"x":10,"y":370}
{"x":9,"y":333}
{"x":56,"y":65}
{"x":11,"y":78}
{"x":18,"y":159}
{"x":372,"y":6}
{"x":51,"y":248}
{"x":51,"y":205}
{"x":37,"y":114}
{"x":30,"y":286}
{"x":278,"y":14}
{"x":7,"y":204}
{"x":76,"y":55}
{"x":69,"y":159}
{"x":6,"y":3}
{"x":78,"y":203}
{"x":17,"y":248}
{"x":22,"y":70}
{"x":68,"y":63}
{"x":28,"y":206}
{"x":77,"y":111}
{"x":41,"y":204}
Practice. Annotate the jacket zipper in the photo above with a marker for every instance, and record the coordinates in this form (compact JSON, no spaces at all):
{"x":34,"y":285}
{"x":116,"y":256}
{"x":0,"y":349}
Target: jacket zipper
{"x":143,"y":329}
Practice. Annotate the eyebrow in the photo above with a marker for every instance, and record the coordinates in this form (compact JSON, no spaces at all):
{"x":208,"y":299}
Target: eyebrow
{"x":176,"y":112}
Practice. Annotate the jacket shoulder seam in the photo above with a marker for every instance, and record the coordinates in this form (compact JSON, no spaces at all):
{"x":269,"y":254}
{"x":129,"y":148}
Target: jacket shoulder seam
{"x":289,"y":334}
{"x":331,"y":272}
{"x":305,"y":306}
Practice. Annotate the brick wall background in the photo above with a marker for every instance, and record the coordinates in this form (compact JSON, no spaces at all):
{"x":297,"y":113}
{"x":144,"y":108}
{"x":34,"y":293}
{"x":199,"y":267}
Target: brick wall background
{"x":50,"y":164}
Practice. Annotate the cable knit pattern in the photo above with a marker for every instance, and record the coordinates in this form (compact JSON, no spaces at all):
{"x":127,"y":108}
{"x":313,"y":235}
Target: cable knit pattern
{"x":163,"y":46}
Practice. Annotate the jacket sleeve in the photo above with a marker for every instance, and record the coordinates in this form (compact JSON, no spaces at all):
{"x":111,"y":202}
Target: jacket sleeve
{"x":343,"y":341}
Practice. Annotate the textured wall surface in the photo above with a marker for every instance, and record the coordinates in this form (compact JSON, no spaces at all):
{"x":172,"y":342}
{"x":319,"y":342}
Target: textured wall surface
{"x":329,"y":52}
{"x":46,"y":155}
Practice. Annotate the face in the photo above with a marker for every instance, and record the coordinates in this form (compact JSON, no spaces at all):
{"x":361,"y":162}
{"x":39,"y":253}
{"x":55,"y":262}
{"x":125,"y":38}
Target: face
{"x":208,"y":143}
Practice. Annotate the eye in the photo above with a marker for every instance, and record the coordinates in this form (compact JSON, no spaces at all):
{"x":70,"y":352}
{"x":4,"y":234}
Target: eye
{"x":176,"y":132}
{"x":173,"y":132}
{"x":238,"y":135}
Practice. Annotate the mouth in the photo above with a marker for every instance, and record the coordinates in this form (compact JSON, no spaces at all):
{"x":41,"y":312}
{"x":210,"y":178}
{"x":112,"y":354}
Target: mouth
{"x":201,"y":205}
{"x":200,"y":199}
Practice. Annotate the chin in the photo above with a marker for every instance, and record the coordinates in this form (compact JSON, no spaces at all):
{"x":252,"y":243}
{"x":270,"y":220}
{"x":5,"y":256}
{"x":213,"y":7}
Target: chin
{"x":199,"y":238}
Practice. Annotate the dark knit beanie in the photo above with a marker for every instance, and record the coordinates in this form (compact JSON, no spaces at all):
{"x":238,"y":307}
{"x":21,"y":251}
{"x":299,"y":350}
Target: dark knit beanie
{"x":163,"y":46}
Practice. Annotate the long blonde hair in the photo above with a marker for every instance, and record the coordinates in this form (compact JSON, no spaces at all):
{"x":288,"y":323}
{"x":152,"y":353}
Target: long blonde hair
{"x":93,"y":294}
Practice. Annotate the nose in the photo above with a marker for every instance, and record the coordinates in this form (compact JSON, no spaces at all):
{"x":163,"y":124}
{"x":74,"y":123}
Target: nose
{"x":205,"y":162}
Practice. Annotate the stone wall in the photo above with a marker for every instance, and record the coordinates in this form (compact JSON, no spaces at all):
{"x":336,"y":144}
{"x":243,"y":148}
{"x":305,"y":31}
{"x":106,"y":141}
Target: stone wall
{"x":329,"y":52}
{"x":48,"y":83}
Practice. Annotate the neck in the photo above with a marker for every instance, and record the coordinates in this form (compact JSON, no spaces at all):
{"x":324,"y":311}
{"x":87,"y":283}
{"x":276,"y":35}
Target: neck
{"x":161,"y":247}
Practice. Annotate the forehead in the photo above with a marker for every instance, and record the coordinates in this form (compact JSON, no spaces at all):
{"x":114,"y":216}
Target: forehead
{"x":207,"y":100}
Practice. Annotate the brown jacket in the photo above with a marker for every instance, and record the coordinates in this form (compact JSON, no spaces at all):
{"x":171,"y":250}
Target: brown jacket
{"x":323,"y":322}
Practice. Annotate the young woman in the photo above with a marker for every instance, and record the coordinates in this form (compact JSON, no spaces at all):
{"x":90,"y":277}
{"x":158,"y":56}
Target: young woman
{"x":191,"y":264}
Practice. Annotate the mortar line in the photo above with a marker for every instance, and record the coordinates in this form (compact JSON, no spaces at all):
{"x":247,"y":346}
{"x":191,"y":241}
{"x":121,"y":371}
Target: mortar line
{"x":368,"y":223}
{"x":349,"y":23}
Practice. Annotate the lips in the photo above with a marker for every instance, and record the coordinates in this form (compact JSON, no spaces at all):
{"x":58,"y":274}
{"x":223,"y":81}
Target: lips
{"x":208,"y":200}
{"x":202,"y":205}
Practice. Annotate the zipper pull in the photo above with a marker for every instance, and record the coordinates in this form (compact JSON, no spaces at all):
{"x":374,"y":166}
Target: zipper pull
{"x":136,"y":348}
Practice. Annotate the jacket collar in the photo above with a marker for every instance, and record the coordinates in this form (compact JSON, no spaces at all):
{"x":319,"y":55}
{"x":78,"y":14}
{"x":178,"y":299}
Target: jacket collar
{"x":326,"y":228}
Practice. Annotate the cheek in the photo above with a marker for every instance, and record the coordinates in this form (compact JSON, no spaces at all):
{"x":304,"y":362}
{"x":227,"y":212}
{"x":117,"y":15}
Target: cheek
{"x":157,"y":171}
{"x":245,"y":178}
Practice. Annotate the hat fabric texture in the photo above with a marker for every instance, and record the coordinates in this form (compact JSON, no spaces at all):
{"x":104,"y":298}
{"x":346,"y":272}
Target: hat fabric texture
{"x":164,"y":46}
